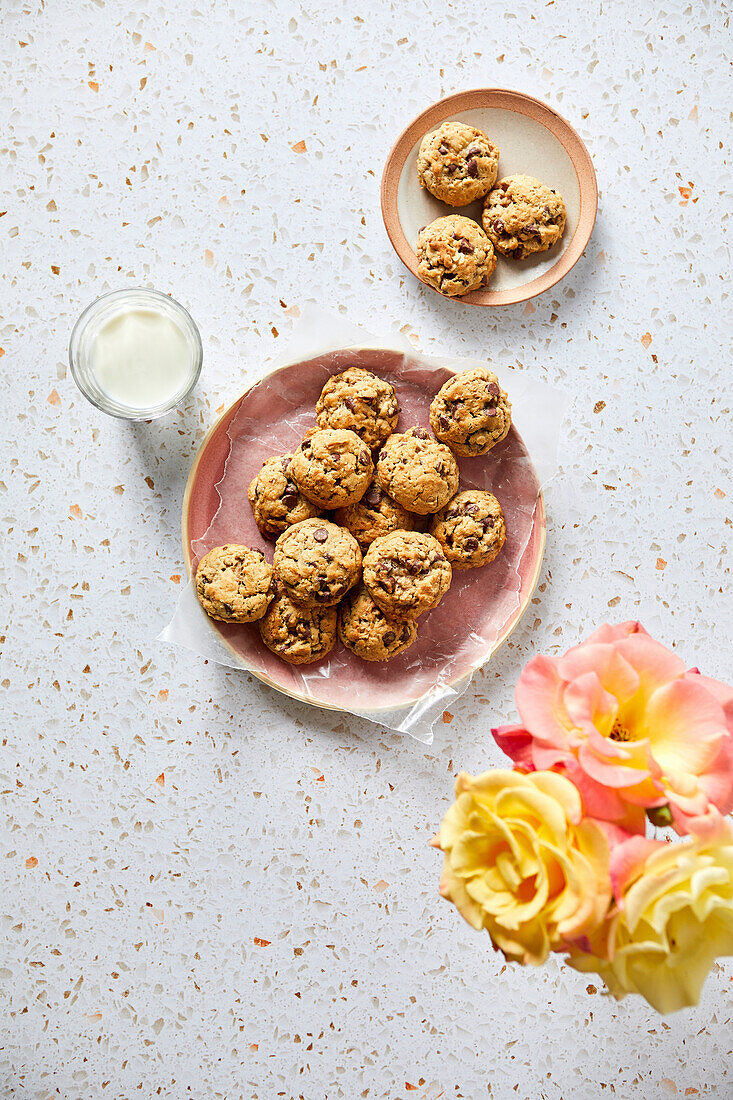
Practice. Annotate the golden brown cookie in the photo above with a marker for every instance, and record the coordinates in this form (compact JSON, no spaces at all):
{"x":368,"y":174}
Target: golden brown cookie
{"x":368,"y":633}
{"x":406,"y":573}
{"x":317,"y":562}
{"x":276,"y":500}
{"x":454,"y":255}
{"x":522,"y":216}
{"x":332,"y":468}
{"x":296,"y":634}
{"x":470,"y":529}
{"x":471,"y":412}
{"x":374,"y":515}
{"x":457,"y":163}
{"x":360,"y":401}
{"x":233,"y":583}
{"x":417,"y":471}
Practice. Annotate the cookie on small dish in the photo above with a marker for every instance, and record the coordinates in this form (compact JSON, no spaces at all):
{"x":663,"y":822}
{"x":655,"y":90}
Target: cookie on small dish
{"x":454,"y":255}
{"x":523,"y":216}
{"x":457,"y":163}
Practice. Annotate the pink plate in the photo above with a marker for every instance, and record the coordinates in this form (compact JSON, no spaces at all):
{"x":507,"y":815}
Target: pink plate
{"x":483,"y":605}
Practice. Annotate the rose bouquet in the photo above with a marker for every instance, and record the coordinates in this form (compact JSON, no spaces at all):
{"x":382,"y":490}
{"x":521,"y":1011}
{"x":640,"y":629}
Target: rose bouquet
{"x":553,"y":856}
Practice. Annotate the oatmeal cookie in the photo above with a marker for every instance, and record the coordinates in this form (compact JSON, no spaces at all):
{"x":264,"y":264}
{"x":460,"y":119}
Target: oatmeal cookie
{"x":317,"y":562}
{"x":406,"y":573}
{"x":471,"y":412}
{"x":296,"y":634}
{"x":276,"y":500}
{"x":417,"y":471}
{"x":470,"y":529}
{"x":332,"y":468}
{"x":360,"y":401}
{"x":368,"y":633}
{"x":454,"y":255}
{"x":457,"y":163}
{"x":374,"y":515}
{"x":233,"y":584}
{"x":523,"y":216}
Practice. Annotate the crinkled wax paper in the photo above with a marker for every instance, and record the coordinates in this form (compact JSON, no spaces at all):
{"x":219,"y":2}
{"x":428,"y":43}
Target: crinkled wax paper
{"x":410,"y":692}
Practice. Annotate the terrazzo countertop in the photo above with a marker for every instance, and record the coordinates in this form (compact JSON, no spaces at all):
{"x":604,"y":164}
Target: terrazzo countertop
{"x":210,"y":890}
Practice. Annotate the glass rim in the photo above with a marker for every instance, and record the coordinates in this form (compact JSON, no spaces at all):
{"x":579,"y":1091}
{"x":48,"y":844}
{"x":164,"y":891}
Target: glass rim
{"x":159,"y":410}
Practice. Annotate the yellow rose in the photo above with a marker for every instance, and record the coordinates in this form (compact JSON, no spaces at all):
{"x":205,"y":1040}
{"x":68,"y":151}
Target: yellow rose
{"x":521,"y":863}
{"x":674,"y":917}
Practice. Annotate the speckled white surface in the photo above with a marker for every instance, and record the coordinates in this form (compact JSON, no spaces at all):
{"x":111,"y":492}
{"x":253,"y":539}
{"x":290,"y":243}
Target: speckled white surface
{"x":210,"y":891}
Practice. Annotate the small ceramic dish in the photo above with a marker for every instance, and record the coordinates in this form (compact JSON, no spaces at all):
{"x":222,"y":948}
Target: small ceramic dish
{"x":533,"y":139}
{"x":482,"y":606}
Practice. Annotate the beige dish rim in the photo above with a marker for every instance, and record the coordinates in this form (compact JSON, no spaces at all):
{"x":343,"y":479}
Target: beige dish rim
{"x":502,"y":99}
{"x":263,"y":677}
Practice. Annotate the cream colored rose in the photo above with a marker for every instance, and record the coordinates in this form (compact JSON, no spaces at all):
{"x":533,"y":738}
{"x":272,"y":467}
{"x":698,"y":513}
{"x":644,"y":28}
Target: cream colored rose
{"x":521,"y":863}
{"x":674,"y":917}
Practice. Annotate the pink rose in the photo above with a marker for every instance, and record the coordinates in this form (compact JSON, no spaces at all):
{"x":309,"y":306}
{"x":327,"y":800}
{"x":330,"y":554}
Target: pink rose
{"x":623,"y":718}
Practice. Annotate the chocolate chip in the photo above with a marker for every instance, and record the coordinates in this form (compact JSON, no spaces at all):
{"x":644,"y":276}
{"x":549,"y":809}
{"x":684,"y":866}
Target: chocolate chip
{"x":472,"y":168}
{"x":471,"y":544}
{"x":290,"y":497}
{"x":546,"y":210}
{"x":451,"y":168}
{"x":471,"y":509}
{"x":488,"y":523}
{"x":498,"y":226}
{"x":495,"y":413}
{"x":535,"y":231}
{"x":285,"y":462}
{"x":444,"y":423}
{"x":387,"y":584}
{"x":442,"y":148}
{"x":414,"y":568}
{"x":320,"y":534}
{"x":466,"y":247}
{"x":389,"y":637}
{"x":474,"y":151}
{"x":349,"y":402}
{"x":504,"y":185}
{"x":364,"y":458}
{"x":373,"y":497}
{"x":493,"y":389}
{"x":420,"y":433}
{"x":306,"y":445}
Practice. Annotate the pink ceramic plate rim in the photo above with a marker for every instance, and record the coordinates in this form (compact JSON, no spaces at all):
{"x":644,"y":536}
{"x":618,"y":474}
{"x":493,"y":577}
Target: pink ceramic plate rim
{"x":201,"y":501}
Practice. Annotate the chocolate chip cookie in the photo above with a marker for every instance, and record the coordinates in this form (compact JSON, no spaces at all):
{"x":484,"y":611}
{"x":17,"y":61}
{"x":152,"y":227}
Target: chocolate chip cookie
{"x":470,"y":529}
{"x":523,"y":216}
{"x":368,"y":633}
{"x":298,"y":635}
{"x":276,"y":500}
{"x":471,"y":412}
{"x":417,"y":471}
{"x":374,"y":515}
{"x":361,"y":402}
{"x":406,"y":573}
{"x":332,"y":468}
{"x":457,"y":163}
{"x":454,"y":255}
{"x":317,"y":562}
{"x":233,"y":584}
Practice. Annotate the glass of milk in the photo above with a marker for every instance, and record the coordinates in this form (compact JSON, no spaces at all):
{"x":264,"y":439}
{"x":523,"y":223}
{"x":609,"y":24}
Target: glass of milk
{"x":135,"y":354}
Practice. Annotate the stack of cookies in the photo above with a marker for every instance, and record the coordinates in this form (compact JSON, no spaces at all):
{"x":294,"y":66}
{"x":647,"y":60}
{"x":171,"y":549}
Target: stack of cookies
{"x":369,"y":523}
{"x":458,"y":164}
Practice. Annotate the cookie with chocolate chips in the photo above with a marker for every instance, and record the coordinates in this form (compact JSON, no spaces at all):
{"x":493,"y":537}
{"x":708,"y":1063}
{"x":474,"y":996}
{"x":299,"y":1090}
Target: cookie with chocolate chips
{"x":332,"y":468}
{"x":454,"y":255}
{"x":417,"y":471}
{"x":471,"y":412}
{"x":406,"y":573}
{"x":297,"y":634}
{"x":317,"y":562}
{"x":374,"y":515}
{"x":470,"y":529}
{"x":522,"y":216}
{"x":356,"y":399}
{"x":368,"y":633}
{"x":457,"y":163}
{"x":276,"y":501}
{"x":233,"y":583}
